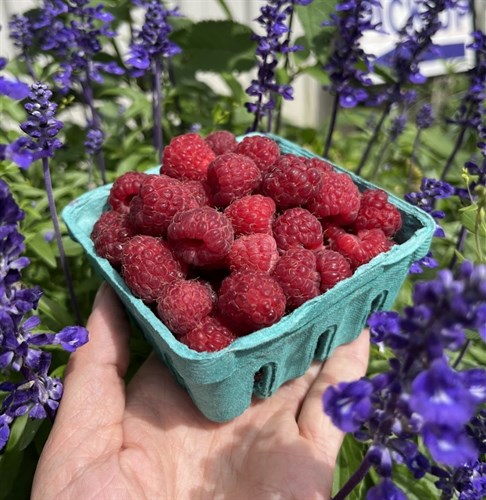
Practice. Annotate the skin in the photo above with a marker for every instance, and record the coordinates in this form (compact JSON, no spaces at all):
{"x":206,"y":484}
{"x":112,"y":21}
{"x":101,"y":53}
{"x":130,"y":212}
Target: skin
{"x":148,"y":440}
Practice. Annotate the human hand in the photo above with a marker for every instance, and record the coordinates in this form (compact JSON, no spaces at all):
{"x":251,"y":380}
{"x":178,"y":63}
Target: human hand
{"x":148,"y":440}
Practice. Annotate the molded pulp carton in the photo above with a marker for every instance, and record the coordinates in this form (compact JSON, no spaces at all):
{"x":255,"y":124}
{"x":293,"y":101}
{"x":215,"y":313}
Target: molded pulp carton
{"x":222,"y":384}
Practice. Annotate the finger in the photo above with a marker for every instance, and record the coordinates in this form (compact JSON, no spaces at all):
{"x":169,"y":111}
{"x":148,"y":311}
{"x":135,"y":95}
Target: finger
{"x":348,"y":362}
{"x":94,"y":390}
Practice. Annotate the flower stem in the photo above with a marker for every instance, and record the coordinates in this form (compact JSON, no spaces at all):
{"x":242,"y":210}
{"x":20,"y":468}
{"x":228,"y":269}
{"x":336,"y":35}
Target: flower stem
{"x":332,"y":125}
{"x":379,"y":159}
{"x":461,"y":239}
{"x":354,"y":480}
{"x":452,"y":156}
{"x":278,"y":117}
{"x":373,"y":138}
{"x":157,"y":108}
{"x":60,"y":246}
{"x":88,"y":95}
{"x":413,"y":158}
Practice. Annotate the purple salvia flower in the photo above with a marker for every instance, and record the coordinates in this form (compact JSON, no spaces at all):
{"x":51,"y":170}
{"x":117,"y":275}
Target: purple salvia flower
{"x":386,"y":490}
{"x":41,"y":126}
{"x":348,"y":404}
{"x":397,"y":127}
{"x":347,"y":78}
{"x":15,"y":89}
{"x":273,"y":19}
{"x":421,"y":395}
{"x":425,"y":117}
{"x":152,"y":41}
{"x":440,"y":396}
{"x":94,"y":140}
{"x":36,"y":393}
{"x":430,"y":191}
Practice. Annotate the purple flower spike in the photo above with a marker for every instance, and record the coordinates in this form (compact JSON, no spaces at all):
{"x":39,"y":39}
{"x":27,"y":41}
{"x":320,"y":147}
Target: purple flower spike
{"x":348,"y":404}
{"x":386,"y":490}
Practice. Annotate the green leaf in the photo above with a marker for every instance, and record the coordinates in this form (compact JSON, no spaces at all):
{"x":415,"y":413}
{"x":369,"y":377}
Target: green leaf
{"x":40,"y":247}
{"x":349,"y":459}
{"x":55,"y":311}
{"x":469,"y":219}
{"x":317,"y":73}
{"x":22,"y":432}
{"x":311,"y":17}
{"x":10,"y":463}
{"x":217,"y":46}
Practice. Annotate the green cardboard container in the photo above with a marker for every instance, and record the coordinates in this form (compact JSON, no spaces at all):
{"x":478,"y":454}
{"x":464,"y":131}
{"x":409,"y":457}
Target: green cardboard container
{"x":222,"y":384}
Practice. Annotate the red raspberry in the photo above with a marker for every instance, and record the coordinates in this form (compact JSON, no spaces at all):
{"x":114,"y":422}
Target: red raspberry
{"x":183,"y":304}
{"x":319,"y":164}
{"x":221,"y":142}
{"x":361,"y":248}
{"x":296,"y":273}
{"x":124,"y":189}
{"x":252,"y":214}
{"x":332,"y":267}
{"x":187,"y":157}
{"x":262,"y":150}
{"x":250,"y":300}
{"x":256,"y":252}
{"x":377,"y":212}
{"x":337,"y":200}
{"x":331,"y":231}
{"x":297,"y":227}
{"x":231,"y":176}
{"x":290,"y":182}
{"x":201,"y":236}
{"x":110,"y":232}
{"x":209,"y":336}
{"x":147,"y":266}
{"x":200,"y":190}
{"x":160,"y":198}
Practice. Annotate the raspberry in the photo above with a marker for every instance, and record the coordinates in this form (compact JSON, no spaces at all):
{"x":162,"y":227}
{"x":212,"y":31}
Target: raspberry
{"x":331,"y":231}
{"x":124,"y":189}
{"x":297,"y":227}
{"x":296,"y":273}
{"x":183,"y":304}
{"x":262,"y":150}
{"x":187,"y":157}
{"x":290,"y":182}
{"x":250,"y":300}
{"x":252,"y":214}
{"x":200,"y":190}
{"x":209,"y":336}
{"x":221,"y":142}
{"x":160,"y":198}
{"x":377,"y":212}
{"x":319,"y":164}
{"x":231,"y":176}
{"x":110,"y":232}
{"x":256,"y":252}
{"x":337,"y":200}
{"x":147,"y":266}
{"x":332,"y":267}
{"x":361,"y":248}
{"x":201,"y":236}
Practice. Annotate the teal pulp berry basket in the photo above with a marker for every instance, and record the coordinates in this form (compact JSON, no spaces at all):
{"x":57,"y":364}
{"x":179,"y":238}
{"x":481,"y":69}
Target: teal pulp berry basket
{"x":222,"y":384}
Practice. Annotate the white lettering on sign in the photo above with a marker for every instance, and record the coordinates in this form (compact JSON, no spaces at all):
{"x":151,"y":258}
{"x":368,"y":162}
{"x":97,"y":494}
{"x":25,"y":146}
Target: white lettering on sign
{"x":450,"y":53}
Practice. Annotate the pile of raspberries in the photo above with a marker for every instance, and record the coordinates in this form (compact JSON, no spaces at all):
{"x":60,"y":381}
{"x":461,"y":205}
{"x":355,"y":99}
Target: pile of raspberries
{"x":230,"y":236}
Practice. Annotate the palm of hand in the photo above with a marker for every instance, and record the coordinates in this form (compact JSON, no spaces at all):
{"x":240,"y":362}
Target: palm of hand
{"x":148,"y":440}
